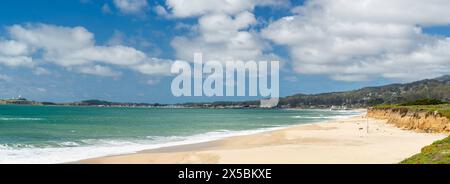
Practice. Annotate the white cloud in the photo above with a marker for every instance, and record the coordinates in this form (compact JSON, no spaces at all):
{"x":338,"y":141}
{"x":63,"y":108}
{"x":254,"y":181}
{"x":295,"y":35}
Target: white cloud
{"x":154,"y":66}
{"x":16,"y":61}
{"x":99,"y":70}
{"x":223,"y":37}
{"x":184,"y":8}
{"x":41,"y":71}
{"x":225,"y":29}
{"x":161,"y":11}
{"x":152,"y":82}
{"x":13,"y":48}
{"x":189,"y":8}
{"x":431,"y":12}
{"x":72,"y":47}
{"x":357,"y":40}
{"x":274,"y":3}
{"x":52,"y":38}
{"x":116,"y":55}
{"x":131,"y":6}
{"x":14,"y":54}
{"x":5,"y":78}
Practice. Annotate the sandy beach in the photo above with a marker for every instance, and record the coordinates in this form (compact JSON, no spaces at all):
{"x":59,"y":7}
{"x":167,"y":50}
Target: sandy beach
{"x":336,"y":141}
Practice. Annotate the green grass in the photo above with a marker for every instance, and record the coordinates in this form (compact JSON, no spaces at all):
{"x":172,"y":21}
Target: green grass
{"x":436,"y":153}
{"x":443,"y":109}
{"x":424,"y":101}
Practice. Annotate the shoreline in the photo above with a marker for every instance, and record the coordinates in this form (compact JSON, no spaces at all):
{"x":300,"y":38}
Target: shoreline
{"x":189,"y":142}
{"x":303,"y":143}
{"x":69,"y":151}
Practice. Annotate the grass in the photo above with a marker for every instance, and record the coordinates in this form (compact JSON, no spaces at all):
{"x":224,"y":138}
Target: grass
{"x":443,"y":109}
{"x":436,"y":153}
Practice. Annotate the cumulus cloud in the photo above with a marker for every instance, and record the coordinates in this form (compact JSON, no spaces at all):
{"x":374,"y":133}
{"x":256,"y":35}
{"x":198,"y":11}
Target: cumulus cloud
{"x":183,"y":8}
{"x":16,"y":61}
{"x":72,"y":47}
{"x":224,"y":31}
{"x":55,"y":42}
{"x":154,"y":66}
{"x":358,"y":40}
{"x":14,"y":54}
{"x":189,"y":8}
{"x":431,"y":12}
{"x":98,"y":70}
{"x":131,"y":6}
{"x":13,"y":48}
{"x":222,"y":37}
{"x":116,"y":55}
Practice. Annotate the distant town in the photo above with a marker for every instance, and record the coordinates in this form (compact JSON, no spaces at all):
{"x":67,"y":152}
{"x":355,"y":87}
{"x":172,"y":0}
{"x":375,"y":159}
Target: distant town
{"x":100,"y":103}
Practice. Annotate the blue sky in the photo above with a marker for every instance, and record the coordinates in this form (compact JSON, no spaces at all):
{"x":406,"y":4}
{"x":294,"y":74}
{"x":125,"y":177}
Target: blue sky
{"x":323,"y":60}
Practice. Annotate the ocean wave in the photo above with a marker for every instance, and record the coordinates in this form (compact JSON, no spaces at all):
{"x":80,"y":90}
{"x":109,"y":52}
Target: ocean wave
{"x":309,"y":117}
{"x":20,"y":119}
{"x":73,"y":151}
{"x":16,"y":146}
{"x":325,"y":117}
{"x":68,"y":151}
{"x":68,"y":144}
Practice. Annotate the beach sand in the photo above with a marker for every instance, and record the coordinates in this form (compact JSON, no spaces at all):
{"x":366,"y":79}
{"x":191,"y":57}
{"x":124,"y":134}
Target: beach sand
{"x":336,"y":141}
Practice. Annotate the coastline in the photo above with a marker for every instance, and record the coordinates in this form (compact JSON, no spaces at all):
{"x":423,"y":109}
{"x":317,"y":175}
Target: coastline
{"x":104,"y":140}
{"x":334,"y":141}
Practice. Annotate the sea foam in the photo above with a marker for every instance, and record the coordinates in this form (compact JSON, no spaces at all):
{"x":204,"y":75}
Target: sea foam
{"x":68,"y":151}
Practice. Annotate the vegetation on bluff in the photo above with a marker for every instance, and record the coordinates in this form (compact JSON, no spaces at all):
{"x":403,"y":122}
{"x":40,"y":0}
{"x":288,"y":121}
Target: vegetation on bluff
{"x":431,"y":105}
{"x":436,"y":153}
{"x":425,"y":101}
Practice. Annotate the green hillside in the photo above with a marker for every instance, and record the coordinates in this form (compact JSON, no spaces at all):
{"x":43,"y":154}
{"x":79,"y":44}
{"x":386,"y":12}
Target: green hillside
{"x":438,"y":88}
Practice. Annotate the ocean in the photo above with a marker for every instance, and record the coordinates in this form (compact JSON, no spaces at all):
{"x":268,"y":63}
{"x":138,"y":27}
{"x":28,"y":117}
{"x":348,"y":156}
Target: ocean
{"x":57,"y":134}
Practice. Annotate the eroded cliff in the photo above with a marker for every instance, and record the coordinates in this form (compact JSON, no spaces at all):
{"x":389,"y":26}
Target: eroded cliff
{"x":418,"y":120}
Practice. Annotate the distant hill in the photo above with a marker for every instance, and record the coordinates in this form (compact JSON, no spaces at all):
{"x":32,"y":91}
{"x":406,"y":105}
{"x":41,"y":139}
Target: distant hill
{"x":95,"y":102}
{"x":438,"y":88}
{"x":19,"y":101}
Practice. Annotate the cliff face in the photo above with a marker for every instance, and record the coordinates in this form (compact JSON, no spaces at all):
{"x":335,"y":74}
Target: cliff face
{"x":420,"y":120}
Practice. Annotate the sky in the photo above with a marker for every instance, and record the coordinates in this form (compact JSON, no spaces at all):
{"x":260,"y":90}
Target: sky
{"x":122,"y":50}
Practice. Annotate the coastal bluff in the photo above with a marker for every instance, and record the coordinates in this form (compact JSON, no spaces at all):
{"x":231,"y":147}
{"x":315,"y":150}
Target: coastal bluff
{"x":411,"y":119}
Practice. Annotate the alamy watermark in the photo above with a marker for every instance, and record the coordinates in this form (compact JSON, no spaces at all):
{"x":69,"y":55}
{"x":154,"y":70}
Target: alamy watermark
{"x":229,"y":78}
